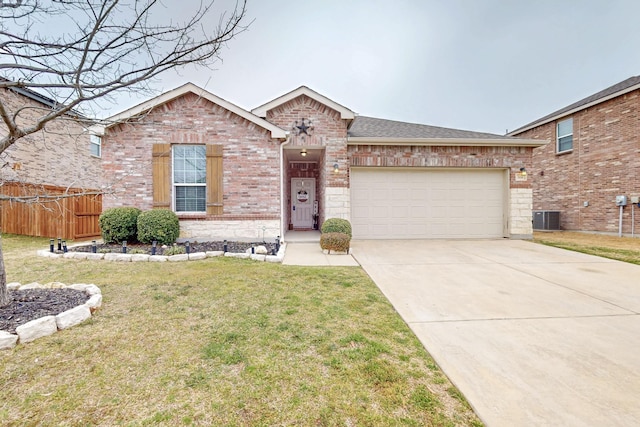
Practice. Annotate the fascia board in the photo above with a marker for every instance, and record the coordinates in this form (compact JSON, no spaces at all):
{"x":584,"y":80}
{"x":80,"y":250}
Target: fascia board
{"x":345,"y":113}
{"x":448,"y":142}
{"x":276,"y":132}
{"x":575,"y":110}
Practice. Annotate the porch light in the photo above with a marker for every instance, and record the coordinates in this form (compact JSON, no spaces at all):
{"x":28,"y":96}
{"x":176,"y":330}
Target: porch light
{"x":523,"y":171}
{"x":336,"y":168}
{"x":303,"y":153}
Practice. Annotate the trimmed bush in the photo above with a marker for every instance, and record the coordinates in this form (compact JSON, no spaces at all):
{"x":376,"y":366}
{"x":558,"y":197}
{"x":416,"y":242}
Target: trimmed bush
{"x":119,"y":224}
{"x":339,"y":242}
{"x":161,"y":225}
{"x":336,"y":225}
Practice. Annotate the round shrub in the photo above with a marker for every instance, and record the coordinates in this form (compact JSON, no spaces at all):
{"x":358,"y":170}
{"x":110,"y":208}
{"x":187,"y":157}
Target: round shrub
{"x":161,"y":225}
{"x":338,"y":242}
{"x":119,"y":224}
{"x":336,"y":225}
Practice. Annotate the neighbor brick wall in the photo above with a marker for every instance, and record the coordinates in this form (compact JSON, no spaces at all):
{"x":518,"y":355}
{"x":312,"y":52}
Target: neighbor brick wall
{"x":251,"y":162}
{"x":58,"y":155}
{"x":604,"y":163}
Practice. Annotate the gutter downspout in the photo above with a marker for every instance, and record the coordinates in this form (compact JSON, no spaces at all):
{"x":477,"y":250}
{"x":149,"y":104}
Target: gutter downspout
{"x":282,"y":187}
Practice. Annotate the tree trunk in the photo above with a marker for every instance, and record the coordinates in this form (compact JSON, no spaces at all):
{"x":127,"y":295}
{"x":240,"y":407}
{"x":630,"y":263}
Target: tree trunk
{"x":4,"y":295}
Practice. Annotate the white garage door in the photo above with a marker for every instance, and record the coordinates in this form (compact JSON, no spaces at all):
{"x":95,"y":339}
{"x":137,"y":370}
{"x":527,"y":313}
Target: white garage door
{"x":427,"y":203}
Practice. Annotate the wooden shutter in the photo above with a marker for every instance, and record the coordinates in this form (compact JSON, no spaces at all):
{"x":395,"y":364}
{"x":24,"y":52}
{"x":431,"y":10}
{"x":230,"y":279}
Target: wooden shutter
{"x":162,"y":176}
{"x":214,"y":179}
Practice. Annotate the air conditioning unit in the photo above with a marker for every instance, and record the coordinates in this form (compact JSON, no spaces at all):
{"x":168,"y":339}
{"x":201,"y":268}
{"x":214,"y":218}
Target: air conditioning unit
{"x":546,"y":220}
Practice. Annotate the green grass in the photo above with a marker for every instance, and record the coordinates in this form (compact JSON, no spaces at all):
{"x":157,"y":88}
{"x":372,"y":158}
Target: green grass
{"x":223,"y":342}
{"x":617,"y":248}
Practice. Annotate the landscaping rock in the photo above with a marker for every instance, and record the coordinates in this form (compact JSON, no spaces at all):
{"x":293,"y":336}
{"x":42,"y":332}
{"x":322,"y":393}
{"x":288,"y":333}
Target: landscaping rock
{"x":157,"y":258}
{"x":54,"y":285}
{"x":38,"y":328}
{"x":34,"y":285}
{"x":73,"y":317}
{"x":13,"y":286}
{"x":69,"y":255}
{"x":257,"y":257}
{"x":197,"y":256}
{"x":140,"y":258}
{"x":179,"y":257}
{"x":261,"y":250}
{"x":93,"y":256}
{"x":237,"y":255}
{"x":94,"y":303}
{"x":212,"y":254}
{"x":7,"y":340}
{"x":118,"y":257}
{"x":81,"y":255}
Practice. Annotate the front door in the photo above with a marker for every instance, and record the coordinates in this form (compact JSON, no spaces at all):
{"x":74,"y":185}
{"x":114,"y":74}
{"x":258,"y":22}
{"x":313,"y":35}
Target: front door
{"x":303,"y":196}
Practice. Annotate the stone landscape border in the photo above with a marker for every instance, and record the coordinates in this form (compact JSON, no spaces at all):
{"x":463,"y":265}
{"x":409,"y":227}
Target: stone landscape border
{"x":48,"y":325}
{"x":120,"y":257}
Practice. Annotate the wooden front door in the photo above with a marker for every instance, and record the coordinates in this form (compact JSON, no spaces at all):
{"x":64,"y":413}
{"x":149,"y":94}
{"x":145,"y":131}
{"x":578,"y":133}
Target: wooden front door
{"x":303,"y":196}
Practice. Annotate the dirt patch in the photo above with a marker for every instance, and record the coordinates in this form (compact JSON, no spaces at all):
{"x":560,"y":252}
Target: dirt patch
{"x":30,"y":304}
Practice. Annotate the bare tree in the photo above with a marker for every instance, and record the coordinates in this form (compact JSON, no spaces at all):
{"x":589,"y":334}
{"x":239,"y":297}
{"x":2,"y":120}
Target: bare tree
{"x":81,"y":53}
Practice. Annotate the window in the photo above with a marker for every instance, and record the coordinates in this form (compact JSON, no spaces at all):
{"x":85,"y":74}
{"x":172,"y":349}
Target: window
{"x":95,"y":145}
{"x":564,"y":134}
{"x":169,"y":189}
{"x":190,"y":178}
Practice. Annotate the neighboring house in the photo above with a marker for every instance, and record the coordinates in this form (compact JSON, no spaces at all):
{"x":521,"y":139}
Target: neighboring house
{"x":62,"y":158}
{"x":594,"y":158}
{"x":302,"y":158}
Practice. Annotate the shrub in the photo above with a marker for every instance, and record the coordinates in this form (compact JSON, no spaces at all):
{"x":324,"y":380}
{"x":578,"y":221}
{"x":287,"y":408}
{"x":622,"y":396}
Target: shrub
{"x":336,"y":225}
{"x":339,"y":242}
{"x":119,"y":224}
{"x":161,"y":225}
{"x":174,"y":250}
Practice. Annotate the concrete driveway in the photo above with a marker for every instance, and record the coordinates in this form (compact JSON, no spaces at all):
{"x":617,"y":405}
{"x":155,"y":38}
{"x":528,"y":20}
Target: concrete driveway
{"x":532,"y":335}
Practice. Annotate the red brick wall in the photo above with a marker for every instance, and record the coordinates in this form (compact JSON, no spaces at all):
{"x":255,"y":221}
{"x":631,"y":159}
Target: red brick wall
{"x":58,"y":155}
{"x":604,"y":163}
{"x":329,"y":131}
{"x":250,"y":157}
{"x":513,"y":158}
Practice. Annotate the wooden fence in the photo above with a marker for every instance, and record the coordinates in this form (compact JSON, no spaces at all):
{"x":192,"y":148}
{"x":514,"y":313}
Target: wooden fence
{"x":64,"y":215}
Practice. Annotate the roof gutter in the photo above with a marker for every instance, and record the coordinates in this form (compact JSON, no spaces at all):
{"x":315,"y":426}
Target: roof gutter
{"x":450,"y":142}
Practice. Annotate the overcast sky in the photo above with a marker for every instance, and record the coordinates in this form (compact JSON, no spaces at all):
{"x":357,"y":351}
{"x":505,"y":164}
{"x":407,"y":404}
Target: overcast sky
{"x":483,"y":65}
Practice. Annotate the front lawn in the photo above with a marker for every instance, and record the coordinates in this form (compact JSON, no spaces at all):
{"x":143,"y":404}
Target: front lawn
{"x":223,"y":342}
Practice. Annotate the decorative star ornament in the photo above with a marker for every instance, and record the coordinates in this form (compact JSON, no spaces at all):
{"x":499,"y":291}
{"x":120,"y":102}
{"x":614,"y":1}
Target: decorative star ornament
{"x":302,"y":128}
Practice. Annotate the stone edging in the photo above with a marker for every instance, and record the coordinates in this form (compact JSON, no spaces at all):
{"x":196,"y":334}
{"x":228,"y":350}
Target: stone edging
{"x":48,"y":325}
{"x":162,"y":258}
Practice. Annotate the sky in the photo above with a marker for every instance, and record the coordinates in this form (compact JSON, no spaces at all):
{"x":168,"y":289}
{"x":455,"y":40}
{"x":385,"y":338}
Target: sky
{"x":481,"y":65}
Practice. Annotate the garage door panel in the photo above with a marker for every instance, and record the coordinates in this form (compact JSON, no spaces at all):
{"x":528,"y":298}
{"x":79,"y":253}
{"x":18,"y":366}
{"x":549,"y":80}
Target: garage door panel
{"x":401,"y":203}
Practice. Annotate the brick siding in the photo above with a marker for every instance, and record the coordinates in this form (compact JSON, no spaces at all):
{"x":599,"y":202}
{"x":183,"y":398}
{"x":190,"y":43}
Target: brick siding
{"x":58,"y":155}
{"x":604,"y":163}
{"x":251,"y":165}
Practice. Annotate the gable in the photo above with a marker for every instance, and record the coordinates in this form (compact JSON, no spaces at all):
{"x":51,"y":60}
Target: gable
{"x":345,"y":113}
{"x":189,"y":88}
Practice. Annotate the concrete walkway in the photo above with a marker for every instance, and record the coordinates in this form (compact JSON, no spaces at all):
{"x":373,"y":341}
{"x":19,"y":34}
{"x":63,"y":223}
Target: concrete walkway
{"x":531,"y":335}
{"x":303,"y":248}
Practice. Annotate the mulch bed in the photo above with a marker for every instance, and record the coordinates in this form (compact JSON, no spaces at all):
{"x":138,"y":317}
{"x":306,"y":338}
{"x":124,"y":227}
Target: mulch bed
{"x":138,"y":248}
{"x":30,"y":304}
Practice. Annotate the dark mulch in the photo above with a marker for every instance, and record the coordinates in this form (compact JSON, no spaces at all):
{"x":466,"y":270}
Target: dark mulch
{"x":236,"y":247}
{"x":30,"y":304}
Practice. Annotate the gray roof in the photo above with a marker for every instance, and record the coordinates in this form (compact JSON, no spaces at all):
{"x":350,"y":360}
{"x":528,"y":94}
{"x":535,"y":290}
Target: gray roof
{"x":612,"y":90}
{"x":370,"y":127}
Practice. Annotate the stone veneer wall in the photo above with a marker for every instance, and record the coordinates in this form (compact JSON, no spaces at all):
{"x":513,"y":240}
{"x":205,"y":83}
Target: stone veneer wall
{"x":249,"y":230}
{"x":520,"y":213}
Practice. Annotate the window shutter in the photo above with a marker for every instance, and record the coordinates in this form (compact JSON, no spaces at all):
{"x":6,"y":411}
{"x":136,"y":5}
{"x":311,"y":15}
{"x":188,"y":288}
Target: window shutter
{"x":214,"y":179}
{"x":161,"y":176}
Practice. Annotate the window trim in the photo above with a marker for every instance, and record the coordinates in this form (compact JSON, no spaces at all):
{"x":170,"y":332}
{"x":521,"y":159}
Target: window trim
{"x":92,"y":143}
{"x":187,"y":184}
{"x":559,"y":137}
